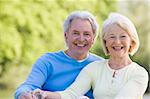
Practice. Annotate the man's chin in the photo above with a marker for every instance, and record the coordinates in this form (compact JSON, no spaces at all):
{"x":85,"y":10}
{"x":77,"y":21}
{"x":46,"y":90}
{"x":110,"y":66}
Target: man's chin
{"x":82,"y":52}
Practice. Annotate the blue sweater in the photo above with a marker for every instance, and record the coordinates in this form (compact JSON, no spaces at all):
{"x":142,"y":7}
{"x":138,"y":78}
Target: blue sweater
{"x":54,"y":72}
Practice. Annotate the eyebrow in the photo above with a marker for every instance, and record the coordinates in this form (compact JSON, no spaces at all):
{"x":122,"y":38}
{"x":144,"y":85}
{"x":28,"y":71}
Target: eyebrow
{"x":75,"y":31}
{"x":110,"y":34}
{"x":120,"y":34}
{"x":84,"y":31}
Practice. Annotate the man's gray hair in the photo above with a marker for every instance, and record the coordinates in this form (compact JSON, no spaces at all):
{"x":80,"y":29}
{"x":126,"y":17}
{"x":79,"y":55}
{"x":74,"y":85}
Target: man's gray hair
{"x":85,"y":15}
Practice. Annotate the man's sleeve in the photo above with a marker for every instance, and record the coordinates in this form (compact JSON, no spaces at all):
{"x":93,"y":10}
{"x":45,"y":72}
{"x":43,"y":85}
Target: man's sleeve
{"x":40,"y":71}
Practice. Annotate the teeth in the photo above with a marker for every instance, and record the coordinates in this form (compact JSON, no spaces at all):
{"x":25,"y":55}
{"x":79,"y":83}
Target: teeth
{"x":80,"y":45}
{"x":118,"y":48}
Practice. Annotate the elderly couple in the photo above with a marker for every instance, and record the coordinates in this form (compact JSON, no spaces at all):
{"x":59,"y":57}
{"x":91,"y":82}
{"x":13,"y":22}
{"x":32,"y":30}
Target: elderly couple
{"x":75,"y":72}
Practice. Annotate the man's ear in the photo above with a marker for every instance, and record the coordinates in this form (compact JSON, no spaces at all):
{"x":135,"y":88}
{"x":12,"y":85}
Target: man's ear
{"x":94,"y":39}
{"x":65,"y":35}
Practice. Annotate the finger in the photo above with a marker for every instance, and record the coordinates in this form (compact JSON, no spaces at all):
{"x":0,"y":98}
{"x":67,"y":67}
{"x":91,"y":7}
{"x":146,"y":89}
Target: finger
{"x":34,"y":97}
{"x":28,"y":96}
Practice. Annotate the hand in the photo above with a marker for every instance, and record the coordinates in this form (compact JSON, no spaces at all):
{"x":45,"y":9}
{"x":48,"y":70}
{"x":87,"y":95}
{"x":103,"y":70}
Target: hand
{"x":83,"y":97}
{"x":26,"y":95}
{"x":39,"y":94}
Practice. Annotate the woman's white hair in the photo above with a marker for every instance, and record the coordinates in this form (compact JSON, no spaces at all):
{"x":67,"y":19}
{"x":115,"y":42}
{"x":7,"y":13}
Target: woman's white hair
{"x":85,"y":15}
{"x":124,"y":23}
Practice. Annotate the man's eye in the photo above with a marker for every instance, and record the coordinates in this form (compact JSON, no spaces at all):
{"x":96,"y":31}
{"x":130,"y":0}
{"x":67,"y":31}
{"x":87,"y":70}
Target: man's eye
{"x":87,"y":34}
{"x":75,"y":33}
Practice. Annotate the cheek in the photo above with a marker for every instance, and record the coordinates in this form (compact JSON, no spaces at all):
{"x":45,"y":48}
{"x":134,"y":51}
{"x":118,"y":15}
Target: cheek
{"x":92,"y":40}
{"x":129,"y":47}
{"x":129,"y":43}
{"x":107,"y":43}
{"x":88,"y":39}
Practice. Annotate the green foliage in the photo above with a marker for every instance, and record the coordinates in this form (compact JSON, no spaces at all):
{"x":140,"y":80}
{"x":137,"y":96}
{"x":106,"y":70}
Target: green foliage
{"x":29,"y":28}
{"x":138,"y":12}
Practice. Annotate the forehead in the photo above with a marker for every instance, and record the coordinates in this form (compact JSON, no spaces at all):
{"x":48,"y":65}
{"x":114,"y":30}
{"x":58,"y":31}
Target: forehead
{"x":115,"y":29}
{"x":83,"y":24}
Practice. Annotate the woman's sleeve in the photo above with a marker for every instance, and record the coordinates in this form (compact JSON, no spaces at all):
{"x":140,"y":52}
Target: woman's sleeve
{"x":81,"y":85}
{"x":136,"y":86}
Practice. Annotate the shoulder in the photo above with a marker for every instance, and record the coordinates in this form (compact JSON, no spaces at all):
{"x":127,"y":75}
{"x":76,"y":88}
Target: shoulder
{"x":137,"y":69}
{"x":94,"y":68}
{"x":138,"y":72}
{"x":96,"y":65}
{"x":50,"y":55}
{"x":46,"y":58}
{"x":96,"y":57}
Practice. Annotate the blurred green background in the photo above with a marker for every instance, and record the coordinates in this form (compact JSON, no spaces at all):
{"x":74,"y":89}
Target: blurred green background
{"x":29,"y":28}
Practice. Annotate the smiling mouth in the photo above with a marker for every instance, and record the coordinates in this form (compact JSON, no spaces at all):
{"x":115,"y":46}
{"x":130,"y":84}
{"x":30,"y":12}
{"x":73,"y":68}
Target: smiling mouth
{"x":80,"y":44}
{"x":117,"y":48}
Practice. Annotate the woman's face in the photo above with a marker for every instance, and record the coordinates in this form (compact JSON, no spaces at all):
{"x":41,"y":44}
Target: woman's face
{"x":117,"y":42}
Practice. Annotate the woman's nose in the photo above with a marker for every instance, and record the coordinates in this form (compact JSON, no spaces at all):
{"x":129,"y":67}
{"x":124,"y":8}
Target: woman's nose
{"x":117,"y":40}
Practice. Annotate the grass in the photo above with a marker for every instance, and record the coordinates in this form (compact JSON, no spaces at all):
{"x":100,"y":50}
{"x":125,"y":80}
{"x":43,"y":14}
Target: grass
{"x":7,"y":94}
{"x":11,"y":80}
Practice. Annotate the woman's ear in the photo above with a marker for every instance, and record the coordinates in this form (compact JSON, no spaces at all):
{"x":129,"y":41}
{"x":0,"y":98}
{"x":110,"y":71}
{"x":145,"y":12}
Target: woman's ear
{"x":132,"y":46}
{"x":107,"y":52}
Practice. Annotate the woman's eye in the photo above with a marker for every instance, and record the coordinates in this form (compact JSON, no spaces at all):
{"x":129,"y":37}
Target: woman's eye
{"x":123,"y":36}
{"x":112,"y":37}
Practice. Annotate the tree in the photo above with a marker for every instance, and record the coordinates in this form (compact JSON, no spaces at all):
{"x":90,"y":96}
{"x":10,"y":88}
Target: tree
{"x":138,"y":12}
{"x":29,"y":28}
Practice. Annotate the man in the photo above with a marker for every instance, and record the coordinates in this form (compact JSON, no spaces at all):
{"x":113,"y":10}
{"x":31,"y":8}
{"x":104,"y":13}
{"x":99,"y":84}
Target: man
{"x":56,"y":71}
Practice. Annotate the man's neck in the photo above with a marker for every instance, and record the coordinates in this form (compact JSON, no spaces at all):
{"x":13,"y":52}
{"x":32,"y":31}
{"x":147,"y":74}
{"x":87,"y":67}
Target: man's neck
{"x":75,"y":56}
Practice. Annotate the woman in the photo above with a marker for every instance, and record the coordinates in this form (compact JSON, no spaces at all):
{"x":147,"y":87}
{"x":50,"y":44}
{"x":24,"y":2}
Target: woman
{"x":117,"y":77}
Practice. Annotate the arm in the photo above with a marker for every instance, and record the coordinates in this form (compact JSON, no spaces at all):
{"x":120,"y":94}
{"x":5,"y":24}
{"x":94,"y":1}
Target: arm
{"x":136,"y":85}
{"x":81,"y":85}
{"x":36,"y":78}
{"x":46,"y":94}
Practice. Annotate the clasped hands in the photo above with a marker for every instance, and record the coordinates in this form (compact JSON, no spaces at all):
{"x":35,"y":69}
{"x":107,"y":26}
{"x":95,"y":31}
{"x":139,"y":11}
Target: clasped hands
{"x":35,"y":94}
{"x":40,"y":94}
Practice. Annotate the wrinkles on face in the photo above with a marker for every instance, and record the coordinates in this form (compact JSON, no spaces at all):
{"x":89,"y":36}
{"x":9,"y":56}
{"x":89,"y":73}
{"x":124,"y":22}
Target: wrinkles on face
{"x":118,"y":42}
{"x":80,"y":37}
{"x":81,"y":43}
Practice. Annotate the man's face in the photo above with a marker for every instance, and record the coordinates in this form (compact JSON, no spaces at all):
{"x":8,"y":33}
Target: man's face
{"x":80,"y":37}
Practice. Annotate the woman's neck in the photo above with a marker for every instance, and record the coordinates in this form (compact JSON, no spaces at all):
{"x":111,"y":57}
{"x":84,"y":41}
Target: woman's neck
{"x":118,"y":63}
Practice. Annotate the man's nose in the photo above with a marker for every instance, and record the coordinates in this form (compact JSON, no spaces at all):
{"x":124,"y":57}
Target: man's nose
{"x":81,"y":37}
